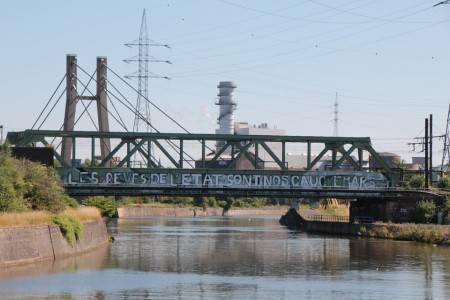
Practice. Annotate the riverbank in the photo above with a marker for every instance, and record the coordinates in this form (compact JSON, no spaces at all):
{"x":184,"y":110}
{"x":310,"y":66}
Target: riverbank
{"x":29,"y":244}
{"x":144,"y":211}
{"x":425,"y":233}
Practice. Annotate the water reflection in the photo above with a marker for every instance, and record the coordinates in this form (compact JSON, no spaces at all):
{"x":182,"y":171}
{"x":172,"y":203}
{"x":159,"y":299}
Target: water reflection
{"x":95,"y":259}
{"x":239,"y":258}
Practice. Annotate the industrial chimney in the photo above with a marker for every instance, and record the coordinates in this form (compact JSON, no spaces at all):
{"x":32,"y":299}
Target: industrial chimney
{"x":226,"y":109}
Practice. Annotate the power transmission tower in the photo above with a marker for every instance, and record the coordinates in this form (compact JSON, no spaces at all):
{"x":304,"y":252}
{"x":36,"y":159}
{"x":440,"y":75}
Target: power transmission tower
{"x":446,"y":151}
{"x":336,"y":116}
{"x":142,"y":75}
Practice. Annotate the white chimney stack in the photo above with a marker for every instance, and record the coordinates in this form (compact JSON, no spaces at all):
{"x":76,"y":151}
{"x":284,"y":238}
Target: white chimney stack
{"x":227,"y":106}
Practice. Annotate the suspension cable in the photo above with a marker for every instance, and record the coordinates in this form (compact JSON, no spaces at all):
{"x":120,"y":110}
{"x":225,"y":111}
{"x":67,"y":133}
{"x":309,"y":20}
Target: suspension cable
{"x":131,"y":108}
{"x":157,"y":107}
{"x":150,"y":102}
{"x":51,"y":109}
{"x":49,"y":100}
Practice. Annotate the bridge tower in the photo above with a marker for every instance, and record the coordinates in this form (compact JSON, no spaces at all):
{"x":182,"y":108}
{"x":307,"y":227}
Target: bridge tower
{"x":72,"y":97}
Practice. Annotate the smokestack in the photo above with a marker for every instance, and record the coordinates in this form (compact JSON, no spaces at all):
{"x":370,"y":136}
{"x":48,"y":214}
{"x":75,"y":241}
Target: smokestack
{"x":226,"y":108}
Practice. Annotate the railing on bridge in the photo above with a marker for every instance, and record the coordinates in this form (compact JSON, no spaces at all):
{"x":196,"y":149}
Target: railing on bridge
{"x":327,"y":218}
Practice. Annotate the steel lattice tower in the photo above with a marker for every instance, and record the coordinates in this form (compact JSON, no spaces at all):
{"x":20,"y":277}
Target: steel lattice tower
{"x":142,"y":75}
{"x":446,"y":150}
{"x":336,"y":117}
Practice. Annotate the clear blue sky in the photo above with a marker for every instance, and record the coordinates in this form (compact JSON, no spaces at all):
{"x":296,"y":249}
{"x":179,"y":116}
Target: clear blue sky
{"x":388,"y":60}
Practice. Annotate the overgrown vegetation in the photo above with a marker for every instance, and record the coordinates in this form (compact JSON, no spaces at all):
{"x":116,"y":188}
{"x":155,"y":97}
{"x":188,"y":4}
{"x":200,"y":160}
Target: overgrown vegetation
{"x":29,"y":218}
{"x":70,"y":227}
{"x":107,"y":205}
{"x":32,"y":194}
{"x":444,"y":183}
{"x":425,"y":211}
{"x":416,"y":182}
{"x":26,"y":185}
{"x":203,"y":202}
{"x":434,"y":234}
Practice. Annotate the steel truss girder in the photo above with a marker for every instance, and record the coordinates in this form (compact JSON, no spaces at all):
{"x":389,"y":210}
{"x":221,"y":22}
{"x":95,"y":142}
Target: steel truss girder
{"x":241,"y":142}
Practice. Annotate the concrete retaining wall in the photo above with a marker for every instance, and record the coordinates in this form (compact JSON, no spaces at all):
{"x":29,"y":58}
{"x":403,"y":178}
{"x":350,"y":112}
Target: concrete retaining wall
{"x":264,"y":211}
{"x":146,"y":212}
{"x":19,"y":245}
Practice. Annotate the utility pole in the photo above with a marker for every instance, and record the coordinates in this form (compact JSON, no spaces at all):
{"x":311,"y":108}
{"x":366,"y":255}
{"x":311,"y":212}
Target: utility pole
{"x":426,"y":154}
{"x":431,"y":149}
{"x":1,"y":134}
{"x":446,"y":151}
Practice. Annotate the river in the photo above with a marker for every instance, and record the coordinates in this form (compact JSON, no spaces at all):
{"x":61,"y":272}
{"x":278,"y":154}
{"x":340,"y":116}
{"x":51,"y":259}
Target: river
{"x":235,"y":258}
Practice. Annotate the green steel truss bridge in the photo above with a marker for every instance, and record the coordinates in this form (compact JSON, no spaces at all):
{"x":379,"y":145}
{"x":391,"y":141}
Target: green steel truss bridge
{"x":118,"y":175}
{"x":232,"y":167}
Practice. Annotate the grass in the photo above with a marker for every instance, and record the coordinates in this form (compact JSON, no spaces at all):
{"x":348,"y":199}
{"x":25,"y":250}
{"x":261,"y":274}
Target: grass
{"x":85,"y":213}
{"x":426,"y":233}
{"x":25,"y":219}
{"x":42,"y":217}
{"x":71,"y":228}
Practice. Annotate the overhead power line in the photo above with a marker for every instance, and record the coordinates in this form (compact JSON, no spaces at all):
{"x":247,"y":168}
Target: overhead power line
{"x":442,"y":2}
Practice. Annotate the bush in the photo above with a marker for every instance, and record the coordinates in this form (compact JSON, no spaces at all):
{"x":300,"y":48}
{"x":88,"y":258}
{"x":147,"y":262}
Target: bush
{"x":226,"y":203}
{"x":416,"y":182}
{"x":71,"y":228}
{"x":446,"y":206}
{"x":11,"y":183}
{"x":425,"y":211}
{"x":29,"y":185}
{"x":43,"y":189}
{"x":70,"y":202}
{"x":180,"y":201}
{"x":444,"y":183}
{"x":107,"y":206}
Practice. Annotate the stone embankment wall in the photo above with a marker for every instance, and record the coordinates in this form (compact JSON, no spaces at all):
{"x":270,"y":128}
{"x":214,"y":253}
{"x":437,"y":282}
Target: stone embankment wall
{"x":19,"y":245}
{"x":147,"y":211}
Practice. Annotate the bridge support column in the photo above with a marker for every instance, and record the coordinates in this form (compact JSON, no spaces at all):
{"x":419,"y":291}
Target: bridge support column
{"x":71,"y":104}
{"x":102,"y":106}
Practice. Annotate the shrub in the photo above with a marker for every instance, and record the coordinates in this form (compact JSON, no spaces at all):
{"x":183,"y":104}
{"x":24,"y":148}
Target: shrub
{"x":226,"y":203}
{"x":71,"y":228}
{"x":43,"y":189}
{"x":70,"y":202}
{"x":425,"y":211}
{"x":181,"y":201}
{"x":107,"y":206}
{"x":444,"y":183}
{"x":446,"y":206}
{"x":11,"y":183}
{"x":416,"y":182}
{"x":25,"y":184}
{"x":201,"y":202}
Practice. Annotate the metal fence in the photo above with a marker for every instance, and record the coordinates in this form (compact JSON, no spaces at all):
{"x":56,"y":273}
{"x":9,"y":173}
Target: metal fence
{"x":325,"y":218}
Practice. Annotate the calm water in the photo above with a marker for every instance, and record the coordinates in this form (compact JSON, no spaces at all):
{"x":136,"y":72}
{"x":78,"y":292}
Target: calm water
{"x":235,"y":258}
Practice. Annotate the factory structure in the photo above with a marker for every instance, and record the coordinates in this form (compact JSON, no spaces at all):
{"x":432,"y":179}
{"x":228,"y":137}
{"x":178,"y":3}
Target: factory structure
{"x":228,"y":125}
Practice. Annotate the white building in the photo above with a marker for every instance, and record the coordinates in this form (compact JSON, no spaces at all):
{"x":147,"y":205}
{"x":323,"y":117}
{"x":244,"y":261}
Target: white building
{"x":245,"y":128}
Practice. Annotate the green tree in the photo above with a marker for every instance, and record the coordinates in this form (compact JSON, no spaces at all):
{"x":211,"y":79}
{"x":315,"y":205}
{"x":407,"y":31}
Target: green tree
{"x":425,"y":211}
{"x":444,"y":182}
{"x":43,"y":189}
{"x":12,"y":184}
{"x":416,"y":182}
